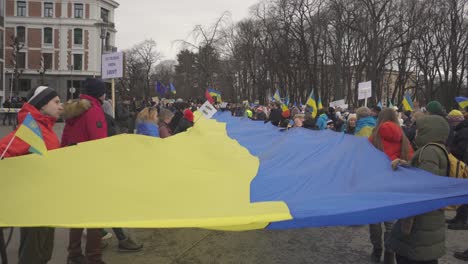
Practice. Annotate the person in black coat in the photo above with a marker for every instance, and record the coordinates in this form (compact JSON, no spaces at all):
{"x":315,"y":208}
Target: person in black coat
{"x":275,"y":114}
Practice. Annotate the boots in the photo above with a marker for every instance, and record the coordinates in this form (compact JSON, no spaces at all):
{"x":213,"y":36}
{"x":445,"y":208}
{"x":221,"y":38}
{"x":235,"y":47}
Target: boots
{"x":376,"y":255}
{"x":389,"y":258}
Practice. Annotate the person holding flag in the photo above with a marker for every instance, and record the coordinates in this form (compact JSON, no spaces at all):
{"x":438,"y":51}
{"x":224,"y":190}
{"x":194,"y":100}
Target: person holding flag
{"x":35,"y":135}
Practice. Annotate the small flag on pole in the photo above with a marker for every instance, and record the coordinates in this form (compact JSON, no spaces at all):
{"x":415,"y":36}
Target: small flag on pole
{"x":30,"y":133}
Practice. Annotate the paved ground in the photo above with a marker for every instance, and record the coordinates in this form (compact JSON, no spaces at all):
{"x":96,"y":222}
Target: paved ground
{"x":337,"y":245}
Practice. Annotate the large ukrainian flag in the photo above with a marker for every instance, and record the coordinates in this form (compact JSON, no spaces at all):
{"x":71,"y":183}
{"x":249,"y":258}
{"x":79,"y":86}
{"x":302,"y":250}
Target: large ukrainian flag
{"x":30,"y":133}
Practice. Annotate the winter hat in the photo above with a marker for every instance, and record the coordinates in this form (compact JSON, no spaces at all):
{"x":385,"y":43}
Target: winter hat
{"x":435,"y":108}
{"x":188,"y":115}
{"x":286,"y":114}
{"x":329,"y":122}
{"x":41,"y":96}
{"x":362,"y":112}
{"x":94,"y":87}
{"x":455,"y":116}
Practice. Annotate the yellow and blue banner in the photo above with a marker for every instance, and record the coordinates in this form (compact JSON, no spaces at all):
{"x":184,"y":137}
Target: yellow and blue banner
{"x":462,"y":101}
{"x":30,"y":133}
{"x":312,"y":104}
{"x":408,"y":103}
{"x":212,"y":190}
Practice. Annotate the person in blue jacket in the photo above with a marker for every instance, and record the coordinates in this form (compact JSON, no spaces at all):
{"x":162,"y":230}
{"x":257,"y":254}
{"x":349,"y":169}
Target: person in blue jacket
{"x":147,"y":122}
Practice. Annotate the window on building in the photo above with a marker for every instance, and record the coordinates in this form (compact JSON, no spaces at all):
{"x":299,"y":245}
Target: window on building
{"x":47,"y":60}
{"x":2,"y":8}
{"x":79,"y":10}
{"x":21,"y":60}
{"x":78,"y":36}
{"x":48,"y":9}
{"x":2,"y":47}
{"x":104,"y":14}
{"x":24,"y":84}
{"x":21,"y":8}
{"x":48,"y":36}
{"x":21,"y":34}
{"x":77,"y":62}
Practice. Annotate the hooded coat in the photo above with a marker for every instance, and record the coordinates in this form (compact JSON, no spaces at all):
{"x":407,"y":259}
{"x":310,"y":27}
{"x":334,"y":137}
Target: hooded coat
{"x":391,"y":135}
{"x":85,"y":121}
{"x":45,"y":123}
{"x":422,"y":237}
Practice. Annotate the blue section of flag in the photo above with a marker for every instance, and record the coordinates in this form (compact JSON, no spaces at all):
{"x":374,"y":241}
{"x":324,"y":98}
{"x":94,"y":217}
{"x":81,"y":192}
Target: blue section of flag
{"x":326,"y":186}
{"x":30,"y":123}
{"x":379,"y":104}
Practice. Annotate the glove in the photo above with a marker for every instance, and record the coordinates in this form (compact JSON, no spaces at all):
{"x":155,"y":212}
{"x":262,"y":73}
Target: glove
{"x":399,"y":162}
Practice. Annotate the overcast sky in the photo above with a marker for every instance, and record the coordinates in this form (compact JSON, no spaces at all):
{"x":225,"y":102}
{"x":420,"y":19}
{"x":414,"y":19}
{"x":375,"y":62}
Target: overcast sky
{"x":169,"y":20}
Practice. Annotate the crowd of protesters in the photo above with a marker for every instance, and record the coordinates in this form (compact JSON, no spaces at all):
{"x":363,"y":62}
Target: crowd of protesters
{"x":417,"y":138}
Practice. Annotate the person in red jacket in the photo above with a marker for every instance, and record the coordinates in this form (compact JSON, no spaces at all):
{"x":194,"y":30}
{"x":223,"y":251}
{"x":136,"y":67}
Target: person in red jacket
{"x":85,"y":121}
{"x":388,"y":137}
{"x":36,"y":243}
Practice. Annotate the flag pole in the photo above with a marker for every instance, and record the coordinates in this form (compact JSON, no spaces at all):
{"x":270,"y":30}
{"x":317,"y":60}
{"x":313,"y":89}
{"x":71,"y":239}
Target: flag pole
{"x":7,"y":147}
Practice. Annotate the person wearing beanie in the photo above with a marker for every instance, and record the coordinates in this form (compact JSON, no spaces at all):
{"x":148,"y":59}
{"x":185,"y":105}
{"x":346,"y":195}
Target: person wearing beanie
{"x":455,"y":117}
{"x":421,"y":238}
{"x":435,"y":108}
{"x":85,"y":121}
{"x":365,"y":122}
{"x":36,"y":244}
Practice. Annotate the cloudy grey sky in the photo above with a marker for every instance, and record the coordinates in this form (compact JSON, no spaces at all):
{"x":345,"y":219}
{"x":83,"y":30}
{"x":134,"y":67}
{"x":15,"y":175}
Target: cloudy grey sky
{"x":169,"y":20}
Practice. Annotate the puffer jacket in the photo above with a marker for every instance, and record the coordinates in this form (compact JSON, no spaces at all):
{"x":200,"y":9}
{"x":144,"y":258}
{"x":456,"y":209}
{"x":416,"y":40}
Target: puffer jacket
{"x":45,"y":123}
{"x":391,"y":135}
{"x":422,"y":237}
{"x":85,"y":121}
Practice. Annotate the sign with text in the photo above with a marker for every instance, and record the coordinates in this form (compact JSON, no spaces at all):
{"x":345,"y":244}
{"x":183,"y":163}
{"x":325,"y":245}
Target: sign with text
{"x":207,"y":110}
{"x":337,"y":103}
{"x":112,"y":65}
{"x":364,"y":90}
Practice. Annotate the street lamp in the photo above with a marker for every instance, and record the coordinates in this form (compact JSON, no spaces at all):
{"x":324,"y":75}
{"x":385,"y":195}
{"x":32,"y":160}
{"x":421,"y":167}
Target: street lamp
{"x":103,"y":27}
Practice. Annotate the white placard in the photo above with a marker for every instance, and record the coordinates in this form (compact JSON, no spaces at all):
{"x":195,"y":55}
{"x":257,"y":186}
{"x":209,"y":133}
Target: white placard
{"x":337,"y":103}
{"x":112,"y":65}
{"x":365,"y":90}
{"x":207,"y":110}
{"x":223,"y":105}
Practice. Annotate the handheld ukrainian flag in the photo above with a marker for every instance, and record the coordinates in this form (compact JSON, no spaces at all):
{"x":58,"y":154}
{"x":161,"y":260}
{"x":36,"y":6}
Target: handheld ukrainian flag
{"x":30,"y":133}
{"x":213,"y":92}
{"x":319,"y":103}
{"x":277,"y":96}
{"x":462,"y":101}
{"x":408,"y":103}
{"x":173,"y":90}
{"x":312,"y":103}
{"x":286,"y":100}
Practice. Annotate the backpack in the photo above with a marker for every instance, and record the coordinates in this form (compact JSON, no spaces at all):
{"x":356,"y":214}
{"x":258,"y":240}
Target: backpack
{"x":456,"y":168}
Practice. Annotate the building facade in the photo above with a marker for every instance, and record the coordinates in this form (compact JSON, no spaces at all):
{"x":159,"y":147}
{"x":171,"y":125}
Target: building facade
{"x":58,"y":43}
{"x":2,"y":51}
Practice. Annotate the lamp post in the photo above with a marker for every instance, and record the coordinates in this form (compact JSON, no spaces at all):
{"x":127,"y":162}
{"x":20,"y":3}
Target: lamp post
{"x":102,"y":26}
